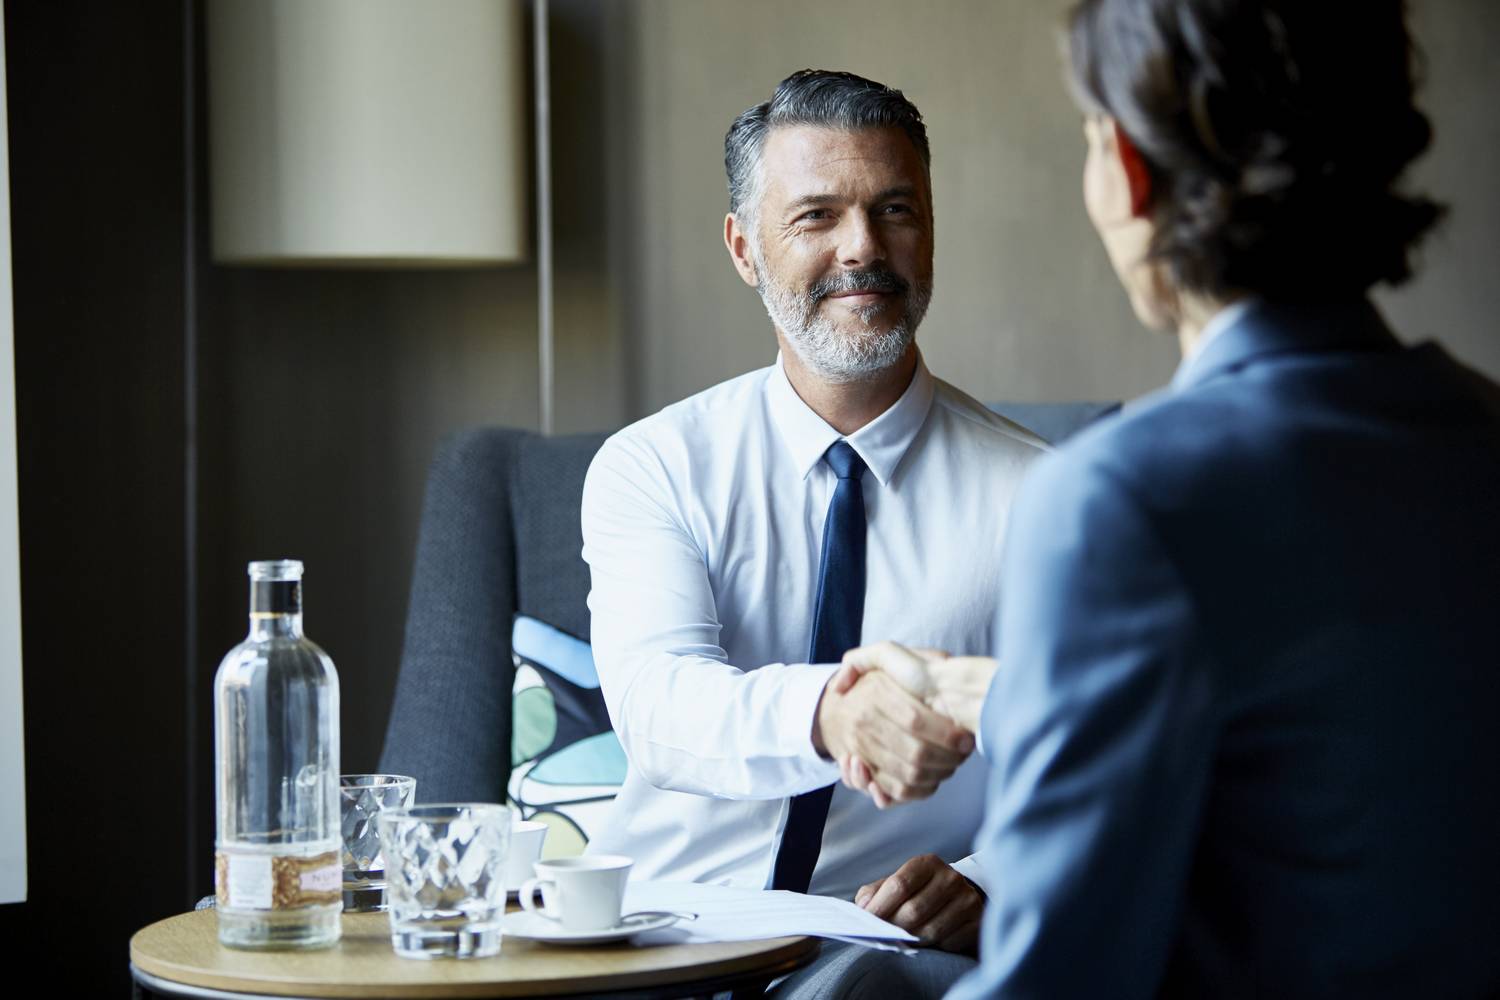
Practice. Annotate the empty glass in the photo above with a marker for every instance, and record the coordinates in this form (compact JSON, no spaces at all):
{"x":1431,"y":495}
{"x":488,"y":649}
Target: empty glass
{"x":445,"y":883}
{"x":361,"y":798}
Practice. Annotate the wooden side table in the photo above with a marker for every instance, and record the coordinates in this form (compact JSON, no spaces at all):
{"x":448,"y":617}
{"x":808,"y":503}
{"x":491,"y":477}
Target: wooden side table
{"x":181,"y":956}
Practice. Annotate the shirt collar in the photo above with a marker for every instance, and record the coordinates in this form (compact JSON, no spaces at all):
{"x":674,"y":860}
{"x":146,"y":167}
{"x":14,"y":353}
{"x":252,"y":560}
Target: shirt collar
{"x":1263,"y":328}
{"x":1221,"y":321}
{"x":881,"y":443}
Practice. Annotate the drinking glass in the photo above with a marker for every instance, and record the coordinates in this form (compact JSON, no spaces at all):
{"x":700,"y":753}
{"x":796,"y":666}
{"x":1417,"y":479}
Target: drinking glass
{"x":361,"y":798}
{"x":445,"y":882}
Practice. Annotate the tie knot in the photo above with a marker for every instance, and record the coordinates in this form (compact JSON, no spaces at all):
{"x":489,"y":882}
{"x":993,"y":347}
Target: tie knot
{"x":844,"y":461}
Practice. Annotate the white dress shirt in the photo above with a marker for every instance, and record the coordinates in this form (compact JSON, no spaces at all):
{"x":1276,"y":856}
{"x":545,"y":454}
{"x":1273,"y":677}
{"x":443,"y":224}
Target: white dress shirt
{"x":702,"y":528}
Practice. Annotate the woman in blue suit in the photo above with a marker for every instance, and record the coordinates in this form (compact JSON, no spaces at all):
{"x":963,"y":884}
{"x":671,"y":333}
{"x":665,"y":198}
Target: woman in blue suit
{"x":1246,"y":717}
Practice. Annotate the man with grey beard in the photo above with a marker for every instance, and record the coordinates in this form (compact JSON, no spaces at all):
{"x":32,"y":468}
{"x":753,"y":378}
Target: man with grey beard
{"x":741,"y":540}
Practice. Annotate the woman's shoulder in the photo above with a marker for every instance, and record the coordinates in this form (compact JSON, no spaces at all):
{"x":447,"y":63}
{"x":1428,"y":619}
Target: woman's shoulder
{"x":1161,"y":446}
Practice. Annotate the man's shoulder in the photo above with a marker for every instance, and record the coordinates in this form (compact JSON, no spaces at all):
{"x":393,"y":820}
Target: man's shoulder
{"x":707,"y":419}
{"x":967,"y":416}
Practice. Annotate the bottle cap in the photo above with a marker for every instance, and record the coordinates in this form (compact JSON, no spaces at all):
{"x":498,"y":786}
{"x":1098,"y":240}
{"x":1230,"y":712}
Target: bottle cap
{"x":276,"y":569}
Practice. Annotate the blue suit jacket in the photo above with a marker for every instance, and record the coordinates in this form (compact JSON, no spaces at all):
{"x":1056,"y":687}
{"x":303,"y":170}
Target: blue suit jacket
{"x":1247,"y":722}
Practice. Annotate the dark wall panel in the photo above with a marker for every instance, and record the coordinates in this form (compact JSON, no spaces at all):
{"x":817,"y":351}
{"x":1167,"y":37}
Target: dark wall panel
{"x":97,"y":205}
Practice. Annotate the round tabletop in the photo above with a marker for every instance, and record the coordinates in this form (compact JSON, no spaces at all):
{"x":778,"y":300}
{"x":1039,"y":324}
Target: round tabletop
{"x":184,"y":951}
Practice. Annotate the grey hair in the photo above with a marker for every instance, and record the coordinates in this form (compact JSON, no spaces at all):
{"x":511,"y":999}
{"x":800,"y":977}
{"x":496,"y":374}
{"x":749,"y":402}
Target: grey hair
{"x":811,"y":97}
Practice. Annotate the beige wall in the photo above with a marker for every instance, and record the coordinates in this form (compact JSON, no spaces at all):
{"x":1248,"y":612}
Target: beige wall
{"x":1026,"y":306}
{"x":1017,"y":275}
{"x":1456,"y":297}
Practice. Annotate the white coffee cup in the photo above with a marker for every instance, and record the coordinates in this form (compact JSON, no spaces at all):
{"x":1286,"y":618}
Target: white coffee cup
{"x":526,"y":839}
{"x":581,"y":894}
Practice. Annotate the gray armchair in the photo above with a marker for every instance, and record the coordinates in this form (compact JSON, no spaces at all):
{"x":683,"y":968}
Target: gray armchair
{"x":500,"y":536}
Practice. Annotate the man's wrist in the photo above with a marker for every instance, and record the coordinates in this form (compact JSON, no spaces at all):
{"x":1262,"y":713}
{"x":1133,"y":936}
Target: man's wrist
{"x":822,"y":713}
{"x":804,"y":721}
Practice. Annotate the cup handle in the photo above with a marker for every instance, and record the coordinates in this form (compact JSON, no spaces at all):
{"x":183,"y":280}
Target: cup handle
{"x":527,"y":895}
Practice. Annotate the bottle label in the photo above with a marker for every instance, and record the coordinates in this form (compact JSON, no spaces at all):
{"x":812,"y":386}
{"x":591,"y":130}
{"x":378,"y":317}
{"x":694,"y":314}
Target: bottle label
{"x":276,"y":597}
{"x":245,"y":881}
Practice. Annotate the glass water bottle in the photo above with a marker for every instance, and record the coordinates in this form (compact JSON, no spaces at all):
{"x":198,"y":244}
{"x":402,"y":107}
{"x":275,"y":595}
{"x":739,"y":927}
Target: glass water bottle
{"x":276,"y":763}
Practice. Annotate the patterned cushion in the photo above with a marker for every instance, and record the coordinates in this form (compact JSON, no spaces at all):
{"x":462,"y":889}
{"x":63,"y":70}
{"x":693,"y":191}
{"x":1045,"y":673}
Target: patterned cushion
{"x":566,"y":763}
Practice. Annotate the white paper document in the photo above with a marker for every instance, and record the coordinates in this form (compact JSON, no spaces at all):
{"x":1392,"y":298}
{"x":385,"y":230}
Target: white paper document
{"x":722,"y":913}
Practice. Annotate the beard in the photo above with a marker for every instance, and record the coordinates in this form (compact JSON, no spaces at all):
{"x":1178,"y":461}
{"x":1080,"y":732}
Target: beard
{"x":832,"y":354}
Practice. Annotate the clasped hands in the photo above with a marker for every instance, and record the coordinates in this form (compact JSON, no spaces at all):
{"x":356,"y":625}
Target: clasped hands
{"x":899,"y":721}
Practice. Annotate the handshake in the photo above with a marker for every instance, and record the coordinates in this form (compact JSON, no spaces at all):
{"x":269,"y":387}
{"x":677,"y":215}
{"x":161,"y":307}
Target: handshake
{"x":899,"y":721}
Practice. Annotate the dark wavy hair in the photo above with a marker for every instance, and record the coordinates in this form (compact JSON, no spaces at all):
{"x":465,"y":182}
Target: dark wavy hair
{"x":1275,"y":133}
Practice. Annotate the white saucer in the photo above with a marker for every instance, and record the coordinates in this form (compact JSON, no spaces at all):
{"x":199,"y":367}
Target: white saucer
{"x":531,"y":927}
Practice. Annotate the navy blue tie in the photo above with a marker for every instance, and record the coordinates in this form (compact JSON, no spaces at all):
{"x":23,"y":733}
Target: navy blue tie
{"x":836,"y":622}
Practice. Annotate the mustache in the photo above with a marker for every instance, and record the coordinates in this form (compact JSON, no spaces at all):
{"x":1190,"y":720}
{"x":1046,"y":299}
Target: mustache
{"x":871,"y":280}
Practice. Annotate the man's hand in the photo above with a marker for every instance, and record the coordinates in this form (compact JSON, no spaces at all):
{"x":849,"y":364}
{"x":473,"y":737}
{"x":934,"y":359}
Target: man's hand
{"x":952,"y":685}
{"x":928,"y":898}
{"x":908,"y":748}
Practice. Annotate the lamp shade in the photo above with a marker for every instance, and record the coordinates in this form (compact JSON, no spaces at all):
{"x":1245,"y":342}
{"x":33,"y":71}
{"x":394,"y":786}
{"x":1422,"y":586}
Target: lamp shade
{"x":367,"y":132}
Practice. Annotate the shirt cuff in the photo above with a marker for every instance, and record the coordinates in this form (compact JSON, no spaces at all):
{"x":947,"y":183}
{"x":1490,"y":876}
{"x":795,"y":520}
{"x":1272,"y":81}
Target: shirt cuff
{"x":799,"y":710}
{"x":971,"y":869}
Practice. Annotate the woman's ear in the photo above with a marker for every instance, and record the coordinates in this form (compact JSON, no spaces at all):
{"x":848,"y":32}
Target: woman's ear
{"x":1137,"y":175}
